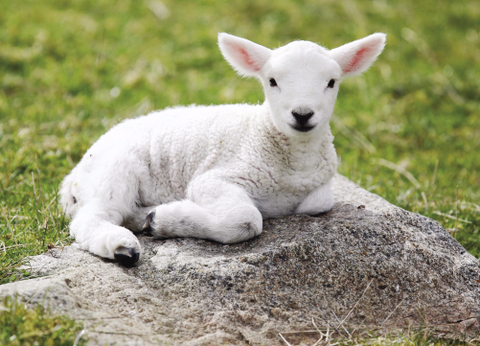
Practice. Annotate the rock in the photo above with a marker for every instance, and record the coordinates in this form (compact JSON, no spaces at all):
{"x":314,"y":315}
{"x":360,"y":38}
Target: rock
{"x":366,"y":263}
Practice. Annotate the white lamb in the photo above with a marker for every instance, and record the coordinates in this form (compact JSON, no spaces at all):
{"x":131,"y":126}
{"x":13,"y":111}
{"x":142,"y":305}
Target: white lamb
{"x":214,"y":172}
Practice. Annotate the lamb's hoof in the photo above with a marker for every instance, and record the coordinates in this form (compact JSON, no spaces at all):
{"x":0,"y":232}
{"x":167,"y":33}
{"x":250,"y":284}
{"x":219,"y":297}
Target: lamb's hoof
{"x":126,"y":256}
{"x":147,"y":226}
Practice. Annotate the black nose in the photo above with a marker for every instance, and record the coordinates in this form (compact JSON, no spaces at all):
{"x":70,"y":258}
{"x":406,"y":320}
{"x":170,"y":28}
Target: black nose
{"x":302,"y":115}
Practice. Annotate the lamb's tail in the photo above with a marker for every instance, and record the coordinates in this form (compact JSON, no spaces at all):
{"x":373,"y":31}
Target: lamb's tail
{"x":67,"y":196}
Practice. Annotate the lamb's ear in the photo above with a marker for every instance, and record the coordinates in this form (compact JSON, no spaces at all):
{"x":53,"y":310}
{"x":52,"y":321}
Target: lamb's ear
{"x":246,"y":57}
{"x":357,"y":56}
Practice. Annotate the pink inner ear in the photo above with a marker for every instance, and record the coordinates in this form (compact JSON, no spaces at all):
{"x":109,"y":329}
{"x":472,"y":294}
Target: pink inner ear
{"x":356,"y":60}
{"x":248,"y":59}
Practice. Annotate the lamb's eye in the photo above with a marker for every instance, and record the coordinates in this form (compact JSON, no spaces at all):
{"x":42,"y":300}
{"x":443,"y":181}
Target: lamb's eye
{"x":331,"y":83}
{"x":273,"y":82}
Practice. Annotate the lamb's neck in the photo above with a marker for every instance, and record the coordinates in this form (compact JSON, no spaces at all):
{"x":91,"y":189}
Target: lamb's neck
{"x":299,"y":153}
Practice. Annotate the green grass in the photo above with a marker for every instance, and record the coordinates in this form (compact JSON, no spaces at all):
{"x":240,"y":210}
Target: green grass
{"x":408,"y":130}
{"x":27,"y":327}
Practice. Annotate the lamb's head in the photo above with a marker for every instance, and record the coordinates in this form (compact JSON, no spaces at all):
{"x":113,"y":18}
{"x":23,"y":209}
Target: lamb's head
{"x":300,"y":79}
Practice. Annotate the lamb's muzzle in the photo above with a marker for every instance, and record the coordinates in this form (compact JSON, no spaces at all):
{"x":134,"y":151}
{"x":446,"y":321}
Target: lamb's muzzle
{"x":302,"y":116}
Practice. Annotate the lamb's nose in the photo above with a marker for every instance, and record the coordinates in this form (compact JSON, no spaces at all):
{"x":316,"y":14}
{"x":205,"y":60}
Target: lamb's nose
{"x":302,"y":115}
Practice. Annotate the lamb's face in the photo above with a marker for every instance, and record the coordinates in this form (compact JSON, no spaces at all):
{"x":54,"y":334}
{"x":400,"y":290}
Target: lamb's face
{"x":301,"y":84}
{"x":300,"y":79}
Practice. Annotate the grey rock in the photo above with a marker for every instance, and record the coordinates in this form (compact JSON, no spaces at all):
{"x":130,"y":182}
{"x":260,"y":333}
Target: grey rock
{"x":367,"y":262}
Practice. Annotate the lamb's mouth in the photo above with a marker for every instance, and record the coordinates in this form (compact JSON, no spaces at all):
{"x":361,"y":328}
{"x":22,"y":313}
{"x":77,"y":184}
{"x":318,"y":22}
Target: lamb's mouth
{"x":302,"y":128}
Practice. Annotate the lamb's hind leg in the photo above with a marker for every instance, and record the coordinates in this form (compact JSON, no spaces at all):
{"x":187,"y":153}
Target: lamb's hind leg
{"x":136,"y":220}
{"x":98,"y":231}
{"x":213,"y":210}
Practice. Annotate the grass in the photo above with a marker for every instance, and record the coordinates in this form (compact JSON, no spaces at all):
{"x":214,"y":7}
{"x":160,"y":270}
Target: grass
{"x":408,"y":130}
{"x":28,"y":327}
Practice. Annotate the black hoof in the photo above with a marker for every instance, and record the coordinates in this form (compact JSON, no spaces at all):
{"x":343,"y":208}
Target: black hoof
{"x":147,"y":226}
{"x":126,"y":256}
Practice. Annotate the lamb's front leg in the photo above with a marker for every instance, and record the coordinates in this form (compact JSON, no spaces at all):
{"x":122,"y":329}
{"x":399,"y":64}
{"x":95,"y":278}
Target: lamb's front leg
{"x":97,"y":230}
{"x":213,"y":210}
{"x":318,"y":201}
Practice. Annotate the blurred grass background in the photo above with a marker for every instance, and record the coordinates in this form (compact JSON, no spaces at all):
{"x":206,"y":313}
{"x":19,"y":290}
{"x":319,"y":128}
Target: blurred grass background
{"x":408,"y":129}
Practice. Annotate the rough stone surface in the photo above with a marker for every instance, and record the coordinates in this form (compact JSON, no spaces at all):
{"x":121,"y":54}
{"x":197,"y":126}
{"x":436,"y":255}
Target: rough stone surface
{"x":385,"y":266}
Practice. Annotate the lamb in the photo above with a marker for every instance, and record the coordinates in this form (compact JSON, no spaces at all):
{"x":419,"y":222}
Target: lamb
{"x":215,"y":172}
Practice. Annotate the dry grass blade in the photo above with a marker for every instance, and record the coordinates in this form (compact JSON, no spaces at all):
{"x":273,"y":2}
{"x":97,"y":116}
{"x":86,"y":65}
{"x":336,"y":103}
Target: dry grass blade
{"x":285,"y":340}
{"x":358,"y":301}
{"x":9,"y":225}
{"x":322,"y":335}
{"x":390,"y":315}
{"x":400,"y":170}
{"x":14,"y":246}
{"x":361,"y":139}
{"x":451,"y":217}
{"x":79,"y":336}
{"x":340,"y":324}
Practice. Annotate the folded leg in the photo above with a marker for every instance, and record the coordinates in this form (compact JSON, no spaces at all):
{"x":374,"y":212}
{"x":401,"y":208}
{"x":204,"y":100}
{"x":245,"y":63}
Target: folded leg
{"x":213,"y":210}
{"x":318,"y":201}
